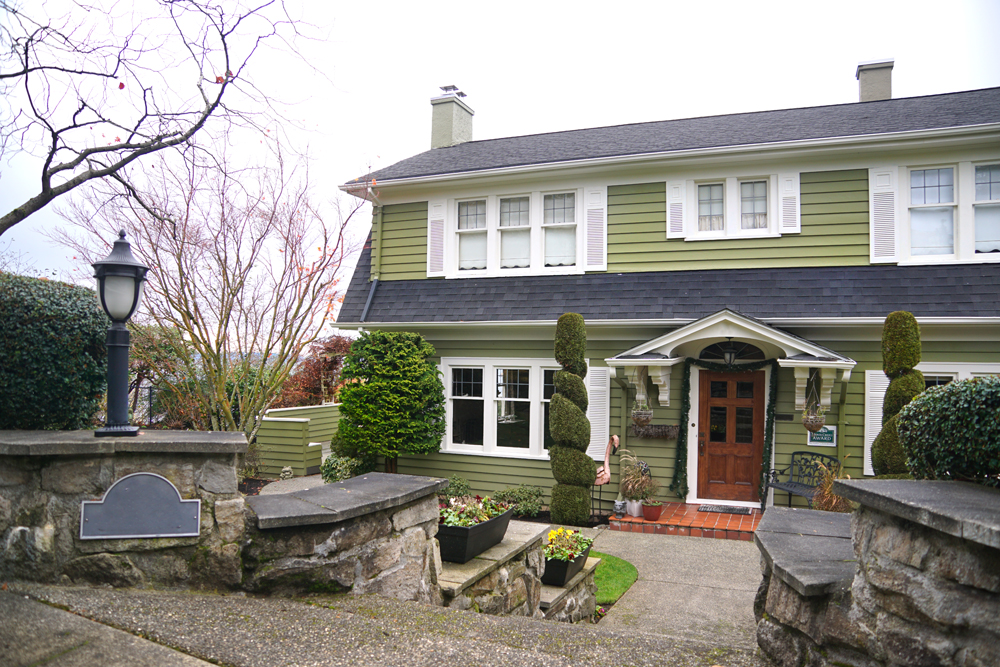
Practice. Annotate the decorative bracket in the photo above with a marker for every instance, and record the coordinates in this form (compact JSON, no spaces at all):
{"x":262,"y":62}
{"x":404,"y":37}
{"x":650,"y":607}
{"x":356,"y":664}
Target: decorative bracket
{"x":661,"y":378}
{"x":827,"y":376}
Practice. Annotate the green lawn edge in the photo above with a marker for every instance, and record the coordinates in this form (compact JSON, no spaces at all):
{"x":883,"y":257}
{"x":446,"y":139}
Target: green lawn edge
{"x":613,"y":577}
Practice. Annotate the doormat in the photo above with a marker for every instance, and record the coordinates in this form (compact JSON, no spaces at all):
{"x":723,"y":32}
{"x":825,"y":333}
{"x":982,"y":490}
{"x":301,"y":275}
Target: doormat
{"x":724,"y":509}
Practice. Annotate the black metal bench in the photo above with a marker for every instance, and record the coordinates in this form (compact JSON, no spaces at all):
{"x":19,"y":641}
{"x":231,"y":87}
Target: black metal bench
{"x":804,"y":474}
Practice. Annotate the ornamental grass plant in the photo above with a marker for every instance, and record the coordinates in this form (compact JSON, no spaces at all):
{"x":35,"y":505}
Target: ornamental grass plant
{"x":565,"y":544}
{"x":469,"y":511}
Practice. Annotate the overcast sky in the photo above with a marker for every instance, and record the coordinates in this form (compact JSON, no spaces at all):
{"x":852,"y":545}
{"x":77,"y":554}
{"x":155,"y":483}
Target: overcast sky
{"x":541,"y":66}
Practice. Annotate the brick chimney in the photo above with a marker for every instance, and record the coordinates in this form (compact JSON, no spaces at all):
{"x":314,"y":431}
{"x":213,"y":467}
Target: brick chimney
{"x":875,"y":80}
{"x":451,"y":118}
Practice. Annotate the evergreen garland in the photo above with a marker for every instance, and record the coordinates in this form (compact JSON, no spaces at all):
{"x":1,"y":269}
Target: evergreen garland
{"x":679,"y":485}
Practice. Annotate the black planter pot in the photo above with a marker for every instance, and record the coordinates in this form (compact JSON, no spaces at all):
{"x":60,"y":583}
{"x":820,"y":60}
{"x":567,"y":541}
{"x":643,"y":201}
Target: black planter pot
{"x":559,"y":572}
{"x":460,"y":544}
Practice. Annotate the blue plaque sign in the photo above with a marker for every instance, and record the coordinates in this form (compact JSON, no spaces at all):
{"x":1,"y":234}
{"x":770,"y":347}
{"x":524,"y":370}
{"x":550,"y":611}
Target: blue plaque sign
{"x":141,"y":505}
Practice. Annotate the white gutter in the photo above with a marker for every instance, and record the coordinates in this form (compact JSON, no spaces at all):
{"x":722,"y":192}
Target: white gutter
{"x":846,"y":141}
{"x":676,"y":322}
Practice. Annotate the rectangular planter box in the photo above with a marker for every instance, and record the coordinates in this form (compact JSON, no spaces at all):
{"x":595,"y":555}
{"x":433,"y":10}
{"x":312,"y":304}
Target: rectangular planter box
{"x":460,"y":544}
{"x":560,"y":572}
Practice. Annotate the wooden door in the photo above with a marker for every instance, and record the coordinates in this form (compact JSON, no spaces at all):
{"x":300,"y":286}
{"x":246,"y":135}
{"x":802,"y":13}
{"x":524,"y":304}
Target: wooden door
{"x":730,"y":435}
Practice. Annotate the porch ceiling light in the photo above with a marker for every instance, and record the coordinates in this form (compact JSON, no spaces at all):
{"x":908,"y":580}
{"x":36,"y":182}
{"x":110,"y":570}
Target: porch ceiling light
{"x":119,"y":287}
{"x":729,"y":353}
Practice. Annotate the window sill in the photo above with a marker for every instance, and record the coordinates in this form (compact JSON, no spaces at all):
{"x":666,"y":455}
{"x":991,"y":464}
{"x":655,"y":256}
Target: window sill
{"x":984,"y":258}
{"x":548,"y":271}
{"x":498,"y":455}
{"x":732,"y":237}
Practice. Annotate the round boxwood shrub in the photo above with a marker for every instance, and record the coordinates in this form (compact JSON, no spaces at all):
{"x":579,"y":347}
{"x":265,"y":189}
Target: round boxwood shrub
{"x":953,"y":432}
{"x":527,"y":500}
{"x":54,"y":371}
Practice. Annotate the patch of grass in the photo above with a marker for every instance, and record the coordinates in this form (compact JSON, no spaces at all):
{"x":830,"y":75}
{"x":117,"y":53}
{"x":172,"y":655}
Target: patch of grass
{"x":613,"y":577}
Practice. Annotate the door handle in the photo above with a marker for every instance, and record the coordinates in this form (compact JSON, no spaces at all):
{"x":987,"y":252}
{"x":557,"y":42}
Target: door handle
{"x":701,"y":448}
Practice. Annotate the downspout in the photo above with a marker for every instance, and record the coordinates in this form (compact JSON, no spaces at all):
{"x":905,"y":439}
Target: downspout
{"x":842,"y":415}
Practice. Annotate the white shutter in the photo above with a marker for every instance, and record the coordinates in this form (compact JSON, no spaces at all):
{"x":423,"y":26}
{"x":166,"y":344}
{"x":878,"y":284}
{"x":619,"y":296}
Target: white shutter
{"x":675,"y":209}
{"x":876,"y":384}
{"x":883,"y":197}
{"x":599,"y":410}
{"x":789,"y":203}
{"x":435,"y":238}
{"x":596,"y":241}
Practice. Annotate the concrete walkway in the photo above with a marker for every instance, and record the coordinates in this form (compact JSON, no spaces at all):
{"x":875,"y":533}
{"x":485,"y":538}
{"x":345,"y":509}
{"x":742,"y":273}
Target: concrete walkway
{"x":688,"y":587}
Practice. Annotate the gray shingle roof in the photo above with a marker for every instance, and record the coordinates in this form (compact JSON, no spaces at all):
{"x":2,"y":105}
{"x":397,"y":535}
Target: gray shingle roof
{"x":959,"y":290}
{"x":842,"y":120}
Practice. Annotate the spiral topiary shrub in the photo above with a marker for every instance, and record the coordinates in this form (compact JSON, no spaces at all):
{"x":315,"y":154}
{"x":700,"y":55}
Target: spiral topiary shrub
{"x":953,"y":432}
{"x":572,"y":469}
{"x":900,"y":353}
{"x":54,"y":369}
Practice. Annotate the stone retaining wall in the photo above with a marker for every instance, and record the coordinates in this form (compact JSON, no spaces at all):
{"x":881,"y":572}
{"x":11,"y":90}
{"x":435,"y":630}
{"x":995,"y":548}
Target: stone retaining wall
{"x":389,"y":552}
{"x":44,"y":476}
{"x":925,"y":588}
{"x":577,"y":602}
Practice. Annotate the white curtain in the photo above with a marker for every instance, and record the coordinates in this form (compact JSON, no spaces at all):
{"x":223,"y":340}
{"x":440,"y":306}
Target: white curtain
{"x":932,"y":231}
{"x":472,"y":251}
{"x":560,"y":246}
{"x":515,"y":248}
{"x":988,"y":228}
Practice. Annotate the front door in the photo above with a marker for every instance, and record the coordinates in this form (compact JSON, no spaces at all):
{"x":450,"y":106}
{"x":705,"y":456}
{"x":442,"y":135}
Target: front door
{"x":730,"y":435}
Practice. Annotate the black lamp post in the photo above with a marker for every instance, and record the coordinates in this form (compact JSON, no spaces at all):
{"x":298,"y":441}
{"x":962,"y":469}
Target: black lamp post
{"x":119,"y":288}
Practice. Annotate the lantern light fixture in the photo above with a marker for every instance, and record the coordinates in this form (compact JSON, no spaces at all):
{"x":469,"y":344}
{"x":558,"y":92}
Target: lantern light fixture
{"x":120,"y":279}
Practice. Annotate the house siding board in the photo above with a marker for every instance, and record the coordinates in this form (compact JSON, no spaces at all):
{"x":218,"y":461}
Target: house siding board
{"x":404,"y":242}
{"x":637,"y":242}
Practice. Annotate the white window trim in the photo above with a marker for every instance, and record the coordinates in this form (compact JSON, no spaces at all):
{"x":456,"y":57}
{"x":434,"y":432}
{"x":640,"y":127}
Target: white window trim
{"x":536,"y":367}
{"x":493,"y":230}
{"x":731,"y":209}
{"x":876,"y":384}
{"x":965,"y":218}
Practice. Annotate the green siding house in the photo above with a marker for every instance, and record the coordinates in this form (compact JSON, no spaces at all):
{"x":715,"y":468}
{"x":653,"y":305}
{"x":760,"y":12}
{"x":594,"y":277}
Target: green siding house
{"x":781,"y":237}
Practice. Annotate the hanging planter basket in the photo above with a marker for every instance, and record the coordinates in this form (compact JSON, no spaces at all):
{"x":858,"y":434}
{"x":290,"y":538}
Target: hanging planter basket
{"x":642,"y":417}
{"x":813,"y":423}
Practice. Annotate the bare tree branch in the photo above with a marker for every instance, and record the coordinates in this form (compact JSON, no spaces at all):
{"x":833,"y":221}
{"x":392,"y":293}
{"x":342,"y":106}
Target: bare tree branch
{"x":90,"y":105}
{"x":243,"y":266}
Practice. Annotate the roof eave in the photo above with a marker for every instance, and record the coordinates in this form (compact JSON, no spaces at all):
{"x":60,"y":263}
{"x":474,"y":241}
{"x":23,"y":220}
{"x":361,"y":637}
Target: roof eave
{"x":825,"y":143}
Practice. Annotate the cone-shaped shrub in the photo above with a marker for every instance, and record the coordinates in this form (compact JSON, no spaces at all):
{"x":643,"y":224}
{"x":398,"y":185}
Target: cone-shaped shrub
{"x":572,"y":469}
{"x":900,"y":353}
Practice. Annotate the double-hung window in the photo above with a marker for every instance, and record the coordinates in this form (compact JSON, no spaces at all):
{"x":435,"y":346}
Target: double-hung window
{"x":987,"y":208}
{"x":932,"y":211}
{"x":472,"y":233}
{"x":753,"y":205}
{"x":515,"y":233}
{"x":711,"y":207}
{"x":559,"y":229}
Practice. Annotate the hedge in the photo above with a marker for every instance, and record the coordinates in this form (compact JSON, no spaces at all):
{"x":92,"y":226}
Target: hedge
{"x":54,"y":373}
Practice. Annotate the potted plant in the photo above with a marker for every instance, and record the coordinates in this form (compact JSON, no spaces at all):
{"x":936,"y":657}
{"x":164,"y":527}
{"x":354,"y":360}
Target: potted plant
{"x":641,"y":414}
{"x":469,"y":526}
{"x":813,"y":417}
{"x":636,"y":482}
{"x":651,"y":509}
{"x":565,"y":555}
